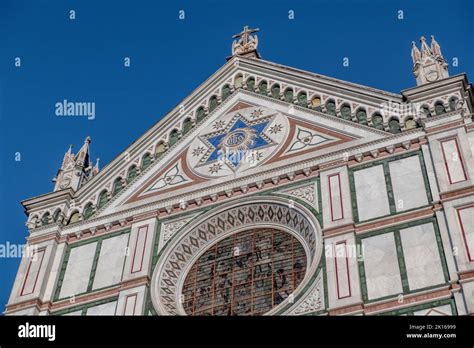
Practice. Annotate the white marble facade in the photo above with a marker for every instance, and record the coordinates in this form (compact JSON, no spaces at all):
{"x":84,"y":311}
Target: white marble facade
{"x":407,"y":182}
{"x":371,"y":193}
{"x":381,"y":266}
{"x":422,"y":257}
{"x":300,"y":153}
{"x":78,"y":270}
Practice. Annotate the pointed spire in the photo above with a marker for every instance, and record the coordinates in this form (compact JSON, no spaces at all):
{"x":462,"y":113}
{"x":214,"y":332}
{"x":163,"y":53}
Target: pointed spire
{"x":415,"y":53}
{"x":95,"y":170}
{"x":76,"y":169}
{"x":435,"y":48}
{"x":68,"y":157}
{"x":82,"y":157}
{"x":425,"y":50}
{"x":428,"y":63}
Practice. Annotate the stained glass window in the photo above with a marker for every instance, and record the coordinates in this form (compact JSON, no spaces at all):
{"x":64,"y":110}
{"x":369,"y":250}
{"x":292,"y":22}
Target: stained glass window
{"x":248,"y":273}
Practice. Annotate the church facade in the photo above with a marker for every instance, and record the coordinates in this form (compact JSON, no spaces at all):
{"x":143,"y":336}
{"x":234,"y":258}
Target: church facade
{"x":268,"y":191}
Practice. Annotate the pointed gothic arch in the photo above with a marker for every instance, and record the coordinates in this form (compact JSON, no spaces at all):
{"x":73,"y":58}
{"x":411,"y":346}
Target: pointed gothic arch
{"x":56,"y":215}
{"x":410,"y":123}
{"x":394,"y":125}
{"x":263,"y":87}
{"x":316,"y":103}
{"x":117,"y":186}
{"x":88,"y":211}
{"x":346,"y":112}
{"x":331,"y":107}
{"x":425,"y":110}
{"x":160,"y":149}
{"x":187,"y":125}
{"x":226,"y":92}
{"x":200,"y":114}
{"x":275,"y":90}
{"x":288,"y":95}
{"x":439,"y":108}
{"x":174,"y":137}
{"x":132,"y":173}
{"x":453,"y":103}
{"x":377,"y":121}
{"x":302,"y":99}
{"x":103,"y":199}
{"x":238,"y":79}
{"x":250,"y":83}
{"x":213,"y":103}
{"x":146,"y":161}
{"x":45,"y":219}
{"x":74,"y":217}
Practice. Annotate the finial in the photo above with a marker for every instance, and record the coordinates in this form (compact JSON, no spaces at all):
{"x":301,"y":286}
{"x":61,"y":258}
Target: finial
{"x":428,"y":62}
{"x":88,"y":140}
{"x":246,"y":43}
{"x":425,"y":50}
{"x":435,"y":48}
{"x":415,"y":53}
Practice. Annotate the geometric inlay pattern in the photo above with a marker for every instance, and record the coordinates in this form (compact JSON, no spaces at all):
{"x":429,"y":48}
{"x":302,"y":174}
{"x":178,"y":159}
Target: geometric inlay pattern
{"x":305,"y":139}
{"x":171,"y":178}
{"x":306,"y":193}
{"x":237,"y":141}
{"x":313,"y":301}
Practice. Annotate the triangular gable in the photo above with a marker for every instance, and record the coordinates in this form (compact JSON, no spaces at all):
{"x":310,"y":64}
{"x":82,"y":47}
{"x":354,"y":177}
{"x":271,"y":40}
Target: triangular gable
{"x":277,"y":136}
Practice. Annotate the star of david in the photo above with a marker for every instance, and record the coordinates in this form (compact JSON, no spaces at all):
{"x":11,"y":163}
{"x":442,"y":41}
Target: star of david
{"x":231,"y":144}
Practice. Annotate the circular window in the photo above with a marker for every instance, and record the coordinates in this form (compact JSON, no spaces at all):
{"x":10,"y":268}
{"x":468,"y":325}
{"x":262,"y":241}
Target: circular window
{"x":247,"y":273}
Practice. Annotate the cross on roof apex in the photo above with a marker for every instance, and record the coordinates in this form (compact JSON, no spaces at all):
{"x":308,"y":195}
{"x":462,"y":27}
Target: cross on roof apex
{"x":246,"y":45}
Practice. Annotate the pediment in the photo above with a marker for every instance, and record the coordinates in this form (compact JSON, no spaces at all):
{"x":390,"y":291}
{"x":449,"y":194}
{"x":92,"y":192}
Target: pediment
{"x":248,"y":134}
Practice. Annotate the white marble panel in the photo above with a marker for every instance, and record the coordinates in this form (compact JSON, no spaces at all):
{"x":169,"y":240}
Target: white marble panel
{"x":78,"y":270}
{"x":79,"y":312}
{"x":335,"y":197}
{"x":341,"y":264}
{"x":371,"y":192}
{"x":466,"y":226}
{"x":408,"y":185}
{"x":421,"y":254}
{"x":382,"y":271}
{"x":111,"y":259}
{"x":103,"y":309}
{"x":453,"y":161}
{"x":33,"y":270}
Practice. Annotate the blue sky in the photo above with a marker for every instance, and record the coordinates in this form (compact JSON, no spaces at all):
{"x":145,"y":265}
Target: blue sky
{"x":82,"y":60}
